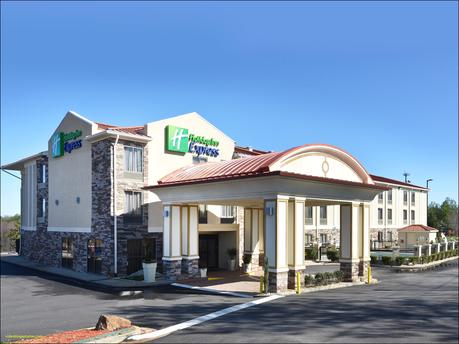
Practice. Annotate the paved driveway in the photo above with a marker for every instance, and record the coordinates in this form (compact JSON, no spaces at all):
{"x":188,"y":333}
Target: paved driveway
{"x":411,"y":308}
{"x":33,"y":303}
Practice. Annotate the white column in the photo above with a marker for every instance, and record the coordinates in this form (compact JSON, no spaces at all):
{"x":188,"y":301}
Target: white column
{"x":172,"y":251}
{"x":429,"y":249}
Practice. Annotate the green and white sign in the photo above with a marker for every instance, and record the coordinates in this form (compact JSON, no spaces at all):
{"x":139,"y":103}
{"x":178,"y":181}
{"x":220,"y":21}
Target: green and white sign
{"x":179,"y":140}
{"x":63,"y":142}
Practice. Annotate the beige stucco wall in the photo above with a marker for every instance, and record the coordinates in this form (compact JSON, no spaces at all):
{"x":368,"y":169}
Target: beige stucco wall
{"x":161,"y":162}
{"x":416,"y":238}
{"x":70,"y":177}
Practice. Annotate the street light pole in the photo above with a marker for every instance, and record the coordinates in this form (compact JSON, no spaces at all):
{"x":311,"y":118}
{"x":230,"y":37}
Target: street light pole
{"x":427,"y":186}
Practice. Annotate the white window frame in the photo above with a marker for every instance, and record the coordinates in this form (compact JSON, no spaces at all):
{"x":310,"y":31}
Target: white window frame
{"x":131,"y":208}
{"x":380,"y":215}
{"x":389,"y":218}
{"x":227,"y":212}
{"x":132,"y":155}
{"x":413,"y":216}
{"x":389,"y":196}
{"x":323,"y":220}
{"x":405,"y":197}
{"x":381,"y":197}
{"x":405,"y":216}
{"x":309,"y":220}
{"x":413,"y":198}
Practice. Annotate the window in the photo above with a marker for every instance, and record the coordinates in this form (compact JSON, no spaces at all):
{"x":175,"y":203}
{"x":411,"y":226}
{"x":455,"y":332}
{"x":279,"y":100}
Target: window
{"x":389,"y":236}
{"x":412,"y":215}
{"x":227,"y":215}
{"x":323,"y":238}
{"x":133,"y":159}
{"x":413,"y":198}
{"x":41,"y":208}
{"x":380,"y":236}
{"x":380,"y":197}
{"x":132,"y":207}
{"x":95,"y":255}
{"x":389,"y":216}
{"x":308,"y":215}
{"x":308,"y":239}
{"x":43,"y":174}
{"x":389,"y":196}
{"x":405,"y":197}
{"x":199,"y":159}
{"x":202,"y":213}
{"x":380,"y":215}
{"x":323,"y":215}
{"x":405,"y":216}
{"x":67,"y":253}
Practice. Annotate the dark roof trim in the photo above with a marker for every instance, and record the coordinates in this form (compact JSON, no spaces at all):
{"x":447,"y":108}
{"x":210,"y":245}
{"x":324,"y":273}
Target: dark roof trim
{"x":394,"y":181}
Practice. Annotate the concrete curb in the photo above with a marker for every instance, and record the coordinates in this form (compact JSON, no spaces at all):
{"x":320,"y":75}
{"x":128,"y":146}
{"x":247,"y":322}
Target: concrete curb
{"x":117,"y":336}
{"x":422,"y":267}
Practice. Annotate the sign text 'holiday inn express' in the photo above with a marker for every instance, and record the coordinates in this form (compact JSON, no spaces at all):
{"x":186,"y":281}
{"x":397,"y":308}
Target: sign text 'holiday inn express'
{"x":181,"y":141}
{"x":65,"y":142}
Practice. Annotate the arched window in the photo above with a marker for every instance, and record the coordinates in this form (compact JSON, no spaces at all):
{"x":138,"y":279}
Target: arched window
{"x":95,"y":255}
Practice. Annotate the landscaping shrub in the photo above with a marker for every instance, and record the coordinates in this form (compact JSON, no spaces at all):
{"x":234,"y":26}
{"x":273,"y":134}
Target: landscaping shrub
{"x":329,"y":278}
{"x":434,"y":257}
{"x":423,"y":260}
{"x":442,"y":255}
{"x":308,"y":280}
{"x":339,"y":275}
{"x":374,"y":260}
{"x":319,"y":278}
{"x":386,"y":260}
{"x":247,"y":258}
{"x":311,"y":253}
{"x":400,"y":260}
{"x":333,"y":255}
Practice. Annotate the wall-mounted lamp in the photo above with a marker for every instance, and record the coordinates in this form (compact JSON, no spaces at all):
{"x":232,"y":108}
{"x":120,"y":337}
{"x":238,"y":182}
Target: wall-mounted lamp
{"x":269,"y":211}
{"x":166,"y":213}
{"x":56,"y":202}
{"x":78,"y":200}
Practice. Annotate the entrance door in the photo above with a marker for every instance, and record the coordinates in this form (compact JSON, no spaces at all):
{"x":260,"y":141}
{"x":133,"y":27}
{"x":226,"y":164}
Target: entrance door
{"x":134,"y":255}
{"x":208,"y":251}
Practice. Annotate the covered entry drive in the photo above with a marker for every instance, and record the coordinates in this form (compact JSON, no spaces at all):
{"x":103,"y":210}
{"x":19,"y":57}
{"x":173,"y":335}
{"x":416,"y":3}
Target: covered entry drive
{"x":273,"y":189}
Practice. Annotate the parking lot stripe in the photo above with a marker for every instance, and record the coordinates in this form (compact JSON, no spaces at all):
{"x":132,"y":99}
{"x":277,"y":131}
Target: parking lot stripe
{"x":184,"y":325}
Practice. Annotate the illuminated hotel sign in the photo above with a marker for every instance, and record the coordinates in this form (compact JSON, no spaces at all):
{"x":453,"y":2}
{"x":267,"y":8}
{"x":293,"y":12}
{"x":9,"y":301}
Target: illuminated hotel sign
{"x":65,"y":142}
{"x":181,"y":141}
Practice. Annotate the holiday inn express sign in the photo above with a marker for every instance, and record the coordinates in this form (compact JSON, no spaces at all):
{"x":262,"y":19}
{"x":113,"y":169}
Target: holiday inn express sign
{"x":65,"y":142}
{"x":179,"y":140}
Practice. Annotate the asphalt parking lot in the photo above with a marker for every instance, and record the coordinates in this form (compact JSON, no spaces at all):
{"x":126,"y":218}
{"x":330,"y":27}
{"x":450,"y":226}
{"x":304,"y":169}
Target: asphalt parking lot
{"x":411,"y":308}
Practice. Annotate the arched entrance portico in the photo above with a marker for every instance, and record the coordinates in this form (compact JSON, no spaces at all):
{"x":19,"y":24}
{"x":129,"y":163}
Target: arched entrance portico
{"x":279,"y":185}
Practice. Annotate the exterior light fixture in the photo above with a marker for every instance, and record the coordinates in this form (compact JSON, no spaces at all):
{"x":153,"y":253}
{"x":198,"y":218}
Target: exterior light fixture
{"x":166,"y":213}
{"x":269,"y":211}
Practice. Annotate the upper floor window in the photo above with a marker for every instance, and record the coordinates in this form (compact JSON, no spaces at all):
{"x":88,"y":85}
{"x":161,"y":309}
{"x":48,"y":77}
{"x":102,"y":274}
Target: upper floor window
{"x":412,"y":215}
{"x":227,"y":214}
{"x":380,"y":215}
{"x":202,"y":213}
{"x":389,"y":216}
{"x":133,"y":206}
{"x":43,"y":174}
{"x":405,"y":197}
{"x":308,"y":215}
{"x":133,"y":159}
{"x":323,"y":215}
{"x":405,"y":216}
{"x":380,"y":197}
{"x":413,"y":198}
{"x":389,"y":196}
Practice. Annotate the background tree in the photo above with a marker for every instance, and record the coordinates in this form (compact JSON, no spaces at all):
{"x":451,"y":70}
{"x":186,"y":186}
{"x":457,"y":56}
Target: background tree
{"x":443,"y":216}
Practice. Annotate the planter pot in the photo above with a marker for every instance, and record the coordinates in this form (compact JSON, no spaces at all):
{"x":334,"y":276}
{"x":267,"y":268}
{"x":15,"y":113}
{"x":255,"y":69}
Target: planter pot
{"x":231,"y":264}
{"x":247,"y":268}
{"x":149,"y":272}
{"x":203,"y":272}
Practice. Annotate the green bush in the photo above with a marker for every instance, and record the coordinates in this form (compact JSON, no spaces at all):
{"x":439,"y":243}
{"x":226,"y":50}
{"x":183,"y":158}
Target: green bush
{"x":413,"y":260}
{"x":442,"y":255}
{"x":374,"y":260}
{"x":329,"y":278}
{"x":311,"y":253}
{"x":333,"y":255}
{"x":247,"y":258}
{"x":309,"y":280}
{"x":434,"y":257}
{"x":339,"y":275}
{"x":423,"y":260}
{"x":319,"y":277}
{"x":400,"y":260}
{"x":387,"y":260}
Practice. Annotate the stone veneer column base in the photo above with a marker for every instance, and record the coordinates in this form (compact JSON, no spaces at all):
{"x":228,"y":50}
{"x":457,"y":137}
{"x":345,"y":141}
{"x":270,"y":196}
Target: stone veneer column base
{"x":292,"y":277}
{"x":278,"y":281}
{"x":190,"y":266}
{"x":363,"y":269}
{"x":172,"y":268}
{"x":350,"y":271}
{"x":261,"y":260}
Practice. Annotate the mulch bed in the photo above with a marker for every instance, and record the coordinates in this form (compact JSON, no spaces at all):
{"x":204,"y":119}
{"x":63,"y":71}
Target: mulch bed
{"x":65,"y":337}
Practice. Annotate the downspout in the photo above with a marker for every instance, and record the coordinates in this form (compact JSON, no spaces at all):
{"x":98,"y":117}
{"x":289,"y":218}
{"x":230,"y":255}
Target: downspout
{"x":115,"y":223}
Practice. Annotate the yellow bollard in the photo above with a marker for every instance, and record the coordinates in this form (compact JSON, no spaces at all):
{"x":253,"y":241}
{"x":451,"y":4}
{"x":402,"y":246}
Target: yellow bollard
{"x":262,"y":289}
{"x":298,"y":284}
{"x":369,"y":274}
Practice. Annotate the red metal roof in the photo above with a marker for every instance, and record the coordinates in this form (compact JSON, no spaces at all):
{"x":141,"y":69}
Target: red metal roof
{"x":394,"y":181}
{"x":418,"y":228}
{"x":130,"y":130}
{"x":249,"y":150}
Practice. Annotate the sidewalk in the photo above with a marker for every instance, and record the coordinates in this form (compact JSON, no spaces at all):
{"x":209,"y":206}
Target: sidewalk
{"x":96,"y":280}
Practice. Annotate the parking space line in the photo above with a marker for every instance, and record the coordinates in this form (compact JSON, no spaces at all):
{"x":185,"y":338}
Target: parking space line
{"x":184,"y":325}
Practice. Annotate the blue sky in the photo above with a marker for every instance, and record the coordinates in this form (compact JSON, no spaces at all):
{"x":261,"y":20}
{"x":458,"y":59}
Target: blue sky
{"x":379,"y":79}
